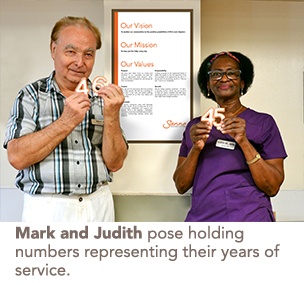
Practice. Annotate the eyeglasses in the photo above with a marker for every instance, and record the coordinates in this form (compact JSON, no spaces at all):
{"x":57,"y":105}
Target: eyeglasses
{"x":218,"y":74}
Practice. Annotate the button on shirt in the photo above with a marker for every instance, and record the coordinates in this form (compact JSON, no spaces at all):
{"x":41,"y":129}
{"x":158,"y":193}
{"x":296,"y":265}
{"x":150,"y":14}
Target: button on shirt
{"x":76,"y":165}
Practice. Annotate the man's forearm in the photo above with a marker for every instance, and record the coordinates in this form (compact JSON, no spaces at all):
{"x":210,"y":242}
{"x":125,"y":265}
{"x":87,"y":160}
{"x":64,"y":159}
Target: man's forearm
{"x":32,"y":148}
{"x":114,"y":147}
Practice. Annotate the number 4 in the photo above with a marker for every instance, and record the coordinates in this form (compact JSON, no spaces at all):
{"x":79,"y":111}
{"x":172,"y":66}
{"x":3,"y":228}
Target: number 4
{"x":82,"y":86}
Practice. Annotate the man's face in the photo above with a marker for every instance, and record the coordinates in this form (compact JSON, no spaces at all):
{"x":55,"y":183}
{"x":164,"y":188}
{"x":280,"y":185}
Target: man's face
{"x":73,"y":55}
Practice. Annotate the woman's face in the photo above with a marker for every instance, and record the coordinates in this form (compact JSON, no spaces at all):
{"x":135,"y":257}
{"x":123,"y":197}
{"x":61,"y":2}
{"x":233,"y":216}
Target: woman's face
{"x":225,"y":88}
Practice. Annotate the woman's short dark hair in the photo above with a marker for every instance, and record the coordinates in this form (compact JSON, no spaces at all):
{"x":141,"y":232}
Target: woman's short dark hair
{"x":245,"y":66}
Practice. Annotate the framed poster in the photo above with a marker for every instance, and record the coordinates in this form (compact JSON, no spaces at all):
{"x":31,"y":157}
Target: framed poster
{"x":152,"y":62}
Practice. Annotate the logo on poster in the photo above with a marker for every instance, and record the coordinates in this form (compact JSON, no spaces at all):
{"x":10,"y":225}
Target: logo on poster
{"x":171,"y":124}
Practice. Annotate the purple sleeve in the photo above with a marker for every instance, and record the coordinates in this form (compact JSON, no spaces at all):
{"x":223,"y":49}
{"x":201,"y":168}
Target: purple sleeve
{"x":271,"y":140}
{"x":183,"y":151}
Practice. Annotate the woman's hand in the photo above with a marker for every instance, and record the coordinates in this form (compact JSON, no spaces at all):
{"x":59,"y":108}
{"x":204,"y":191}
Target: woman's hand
{"x":199,"y":134}
{"x":236,"y":128}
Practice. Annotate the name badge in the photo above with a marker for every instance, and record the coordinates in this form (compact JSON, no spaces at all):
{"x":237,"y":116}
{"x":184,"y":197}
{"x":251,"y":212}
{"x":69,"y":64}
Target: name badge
{"x":97,"y":122}
{"x":225,"y":144}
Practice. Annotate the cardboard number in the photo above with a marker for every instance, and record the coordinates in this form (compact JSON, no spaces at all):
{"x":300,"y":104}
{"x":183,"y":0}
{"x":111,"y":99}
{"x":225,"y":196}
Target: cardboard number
{"x":214,"y":116}
{"x":82,"y":86}
{"x":97,"y":83}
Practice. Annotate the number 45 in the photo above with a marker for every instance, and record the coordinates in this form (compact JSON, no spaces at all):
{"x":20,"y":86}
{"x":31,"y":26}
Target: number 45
{"x":214,"y":116}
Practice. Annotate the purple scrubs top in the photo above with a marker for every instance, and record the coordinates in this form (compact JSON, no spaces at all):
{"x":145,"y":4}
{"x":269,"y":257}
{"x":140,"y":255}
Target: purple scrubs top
{"x":223,"y":188}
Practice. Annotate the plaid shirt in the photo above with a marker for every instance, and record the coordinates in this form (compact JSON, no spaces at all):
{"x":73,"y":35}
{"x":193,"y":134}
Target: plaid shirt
{"x":75,"y":166}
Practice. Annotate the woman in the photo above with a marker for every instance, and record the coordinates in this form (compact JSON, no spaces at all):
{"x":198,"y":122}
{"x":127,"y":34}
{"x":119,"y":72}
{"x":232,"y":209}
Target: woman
{"x":233,"y":166}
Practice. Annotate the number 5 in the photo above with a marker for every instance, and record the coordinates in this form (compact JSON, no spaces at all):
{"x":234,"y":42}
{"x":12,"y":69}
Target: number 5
{"x":218,"y":117}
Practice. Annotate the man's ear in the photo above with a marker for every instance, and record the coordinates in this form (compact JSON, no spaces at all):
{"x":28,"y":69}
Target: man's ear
{"x":53,"y":49}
